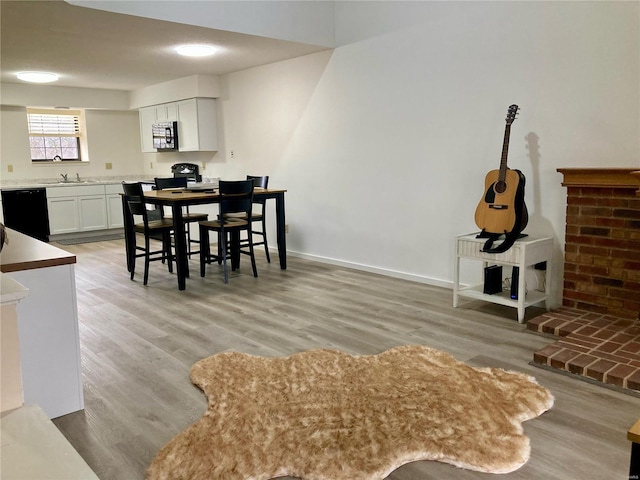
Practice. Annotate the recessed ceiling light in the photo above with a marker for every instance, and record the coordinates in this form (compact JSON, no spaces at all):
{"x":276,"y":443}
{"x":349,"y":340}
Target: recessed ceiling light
{"x":193,"y":50}
{"x":37,"y":77}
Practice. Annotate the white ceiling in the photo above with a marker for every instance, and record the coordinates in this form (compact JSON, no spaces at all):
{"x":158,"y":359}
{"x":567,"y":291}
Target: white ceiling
{"x":97,"y":49}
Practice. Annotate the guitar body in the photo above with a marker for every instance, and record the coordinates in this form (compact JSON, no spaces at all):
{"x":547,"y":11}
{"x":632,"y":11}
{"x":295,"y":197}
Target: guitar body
{"x":502,"y":210}
{"x":498,"y":210}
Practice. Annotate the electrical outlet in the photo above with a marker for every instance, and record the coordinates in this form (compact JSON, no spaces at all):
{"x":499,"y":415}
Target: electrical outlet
{"x":151,"y":165}
{"x":108,"y":166}
{"x":286,"y":228}
{"x":9,"y":168}
{"x":232,"y":154}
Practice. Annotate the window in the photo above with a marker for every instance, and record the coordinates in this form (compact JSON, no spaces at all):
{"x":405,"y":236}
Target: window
{"x":54,"y":135}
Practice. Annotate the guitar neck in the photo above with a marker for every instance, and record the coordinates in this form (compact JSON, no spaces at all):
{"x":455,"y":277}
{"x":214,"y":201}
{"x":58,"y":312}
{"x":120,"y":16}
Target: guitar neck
{"x":505,"y":151}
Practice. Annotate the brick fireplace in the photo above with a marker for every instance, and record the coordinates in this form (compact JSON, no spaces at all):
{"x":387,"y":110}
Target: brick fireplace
{"x":602,"y":241}
{"x":599,"y":322}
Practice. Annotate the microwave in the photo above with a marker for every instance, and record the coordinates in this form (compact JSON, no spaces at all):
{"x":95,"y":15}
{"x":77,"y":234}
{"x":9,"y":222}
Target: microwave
{"x":165,"y":136}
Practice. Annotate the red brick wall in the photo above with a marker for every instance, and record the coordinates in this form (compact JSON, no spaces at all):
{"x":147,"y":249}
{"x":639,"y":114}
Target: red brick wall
{"x":602,"y":251}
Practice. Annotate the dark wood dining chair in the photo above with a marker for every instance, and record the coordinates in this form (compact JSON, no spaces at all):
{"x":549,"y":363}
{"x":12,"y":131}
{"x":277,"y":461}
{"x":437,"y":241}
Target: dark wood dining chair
{"x":153,"y":227}
{"x":259,"y":215}
{"x":187,"y":216}
{"x":234,"y":212}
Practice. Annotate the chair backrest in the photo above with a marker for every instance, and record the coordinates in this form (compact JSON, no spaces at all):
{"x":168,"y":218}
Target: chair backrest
{"x":134,"y":196}
{"x":171,"y":182}
{"x":235,"y":197}
{"x":259,"y":182}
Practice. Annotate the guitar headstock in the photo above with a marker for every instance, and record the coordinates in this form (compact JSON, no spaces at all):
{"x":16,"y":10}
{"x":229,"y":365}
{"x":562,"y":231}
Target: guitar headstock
{"x":511,"y":114}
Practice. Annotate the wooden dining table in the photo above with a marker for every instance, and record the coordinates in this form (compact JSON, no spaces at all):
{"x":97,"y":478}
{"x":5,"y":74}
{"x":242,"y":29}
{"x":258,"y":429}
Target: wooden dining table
{"x":177,"y":199}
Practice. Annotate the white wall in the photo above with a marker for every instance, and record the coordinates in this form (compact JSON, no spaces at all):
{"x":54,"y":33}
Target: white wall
{"x":113,"y":137}
{"x":384,"y":146}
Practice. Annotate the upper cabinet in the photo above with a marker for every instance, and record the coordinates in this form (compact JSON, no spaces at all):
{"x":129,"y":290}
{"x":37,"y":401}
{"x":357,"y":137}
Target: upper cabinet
{"x":147,"y":118}
{"x":197,"y":125}
{"x":167,"y":112}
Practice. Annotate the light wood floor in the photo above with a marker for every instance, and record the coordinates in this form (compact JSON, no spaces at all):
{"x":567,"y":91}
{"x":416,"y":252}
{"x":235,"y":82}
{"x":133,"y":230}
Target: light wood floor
{"x":138,"y":344}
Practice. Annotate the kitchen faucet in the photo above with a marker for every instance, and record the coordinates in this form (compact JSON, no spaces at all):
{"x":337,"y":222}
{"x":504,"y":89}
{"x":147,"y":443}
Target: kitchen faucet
{"x":78,"y":177}
{"x":64,"y":176}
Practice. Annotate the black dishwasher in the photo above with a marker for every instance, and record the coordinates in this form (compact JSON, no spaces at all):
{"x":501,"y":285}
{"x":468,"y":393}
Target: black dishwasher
{"x":25,"y":210}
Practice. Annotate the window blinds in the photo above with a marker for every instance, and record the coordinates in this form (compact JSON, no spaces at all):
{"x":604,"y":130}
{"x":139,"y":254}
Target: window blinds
{"x":59,"y":124}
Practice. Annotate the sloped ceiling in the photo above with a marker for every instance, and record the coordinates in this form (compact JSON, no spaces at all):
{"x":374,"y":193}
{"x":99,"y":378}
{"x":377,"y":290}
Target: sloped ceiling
{"x":93,"y":48}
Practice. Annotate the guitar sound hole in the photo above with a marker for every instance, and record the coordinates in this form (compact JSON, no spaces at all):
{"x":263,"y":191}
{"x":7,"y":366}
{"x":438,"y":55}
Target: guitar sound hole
{"x":500,"y":187}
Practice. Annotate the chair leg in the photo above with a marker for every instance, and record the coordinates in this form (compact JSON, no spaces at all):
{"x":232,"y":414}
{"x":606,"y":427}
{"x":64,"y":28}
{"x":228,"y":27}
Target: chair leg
{"x":252,"y":255}
{"x":187,"y":228}
{"x":223,"y":236}
{"x":132,"y":260}
{"x":264,"y":236}
{"x":146,"y":260}
{"x":166,"y":242}
{"x":204,"y":248}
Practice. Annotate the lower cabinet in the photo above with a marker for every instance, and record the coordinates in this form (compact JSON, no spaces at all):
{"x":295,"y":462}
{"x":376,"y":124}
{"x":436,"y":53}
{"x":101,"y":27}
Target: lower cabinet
{"x":114,"y":205}
{"x":77,"y":209}
{"x":64,"y":216}
{"x":93,"y":212}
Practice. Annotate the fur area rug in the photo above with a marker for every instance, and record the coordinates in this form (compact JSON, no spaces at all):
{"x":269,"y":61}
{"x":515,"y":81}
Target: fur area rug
{"x":324,"y":414}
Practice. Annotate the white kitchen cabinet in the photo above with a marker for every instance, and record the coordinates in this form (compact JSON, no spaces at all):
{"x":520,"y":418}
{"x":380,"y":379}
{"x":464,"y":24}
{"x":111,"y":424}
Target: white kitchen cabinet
{"x":197,"y":126}
{"x":114,"y":206}
{"x":93,"y":212}
{"x":147,"y":119}
{"x":166,"y":112}
{"x":64,"y":214}
{"x":76,"y":209}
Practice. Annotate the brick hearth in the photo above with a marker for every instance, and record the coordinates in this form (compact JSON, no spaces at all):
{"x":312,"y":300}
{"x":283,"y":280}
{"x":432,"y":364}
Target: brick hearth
{"x":601,"y":347}
{"x":599,"y":322}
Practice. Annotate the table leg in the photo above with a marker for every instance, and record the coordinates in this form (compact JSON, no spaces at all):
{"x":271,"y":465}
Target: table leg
{"x":281,"y":231}
{"x":634,"y":468}
{"x":182,"y":267}
{"x":235,"y":249}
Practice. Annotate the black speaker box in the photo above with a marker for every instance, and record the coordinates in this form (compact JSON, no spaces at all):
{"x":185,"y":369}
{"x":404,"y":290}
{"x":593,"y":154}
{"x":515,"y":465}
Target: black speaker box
{"x":493,"y":279}
{"x":515,"y":274}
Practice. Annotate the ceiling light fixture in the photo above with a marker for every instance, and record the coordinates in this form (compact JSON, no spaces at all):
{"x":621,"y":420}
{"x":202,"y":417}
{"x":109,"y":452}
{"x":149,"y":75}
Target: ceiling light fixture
{"x":193,"y":50}
{"x":37,"y":77}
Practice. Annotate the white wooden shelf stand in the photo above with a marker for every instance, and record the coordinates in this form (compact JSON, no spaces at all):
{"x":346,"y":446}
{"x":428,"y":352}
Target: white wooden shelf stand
{"x":525,"y":252}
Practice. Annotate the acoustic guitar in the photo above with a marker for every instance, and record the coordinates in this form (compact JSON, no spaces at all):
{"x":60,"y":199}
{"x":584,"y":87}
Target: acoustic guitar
{"x":502,"y":209}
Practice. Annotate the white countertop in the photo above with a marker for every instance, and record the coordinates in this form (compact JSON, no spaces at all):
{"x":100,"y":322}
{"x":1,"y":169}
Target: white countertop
{"x":52,"y":182}
{"x":10,"y":290}
{"x":34,"y":449}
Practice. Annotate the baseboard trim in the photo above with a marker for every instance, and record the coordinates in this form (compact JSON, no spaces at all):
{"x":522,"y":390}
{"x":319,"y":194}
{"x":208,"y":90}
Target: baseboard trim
{"x":87,"y":234}
{"x":380,"y":271}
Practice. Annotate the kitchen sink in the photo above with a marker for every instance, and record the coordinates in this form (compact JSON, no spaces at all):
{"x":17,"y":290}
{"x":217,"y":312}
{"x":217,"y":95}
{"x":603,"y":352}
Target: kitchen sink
{"x":70,"y":182}
{"x":75,"y":182}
